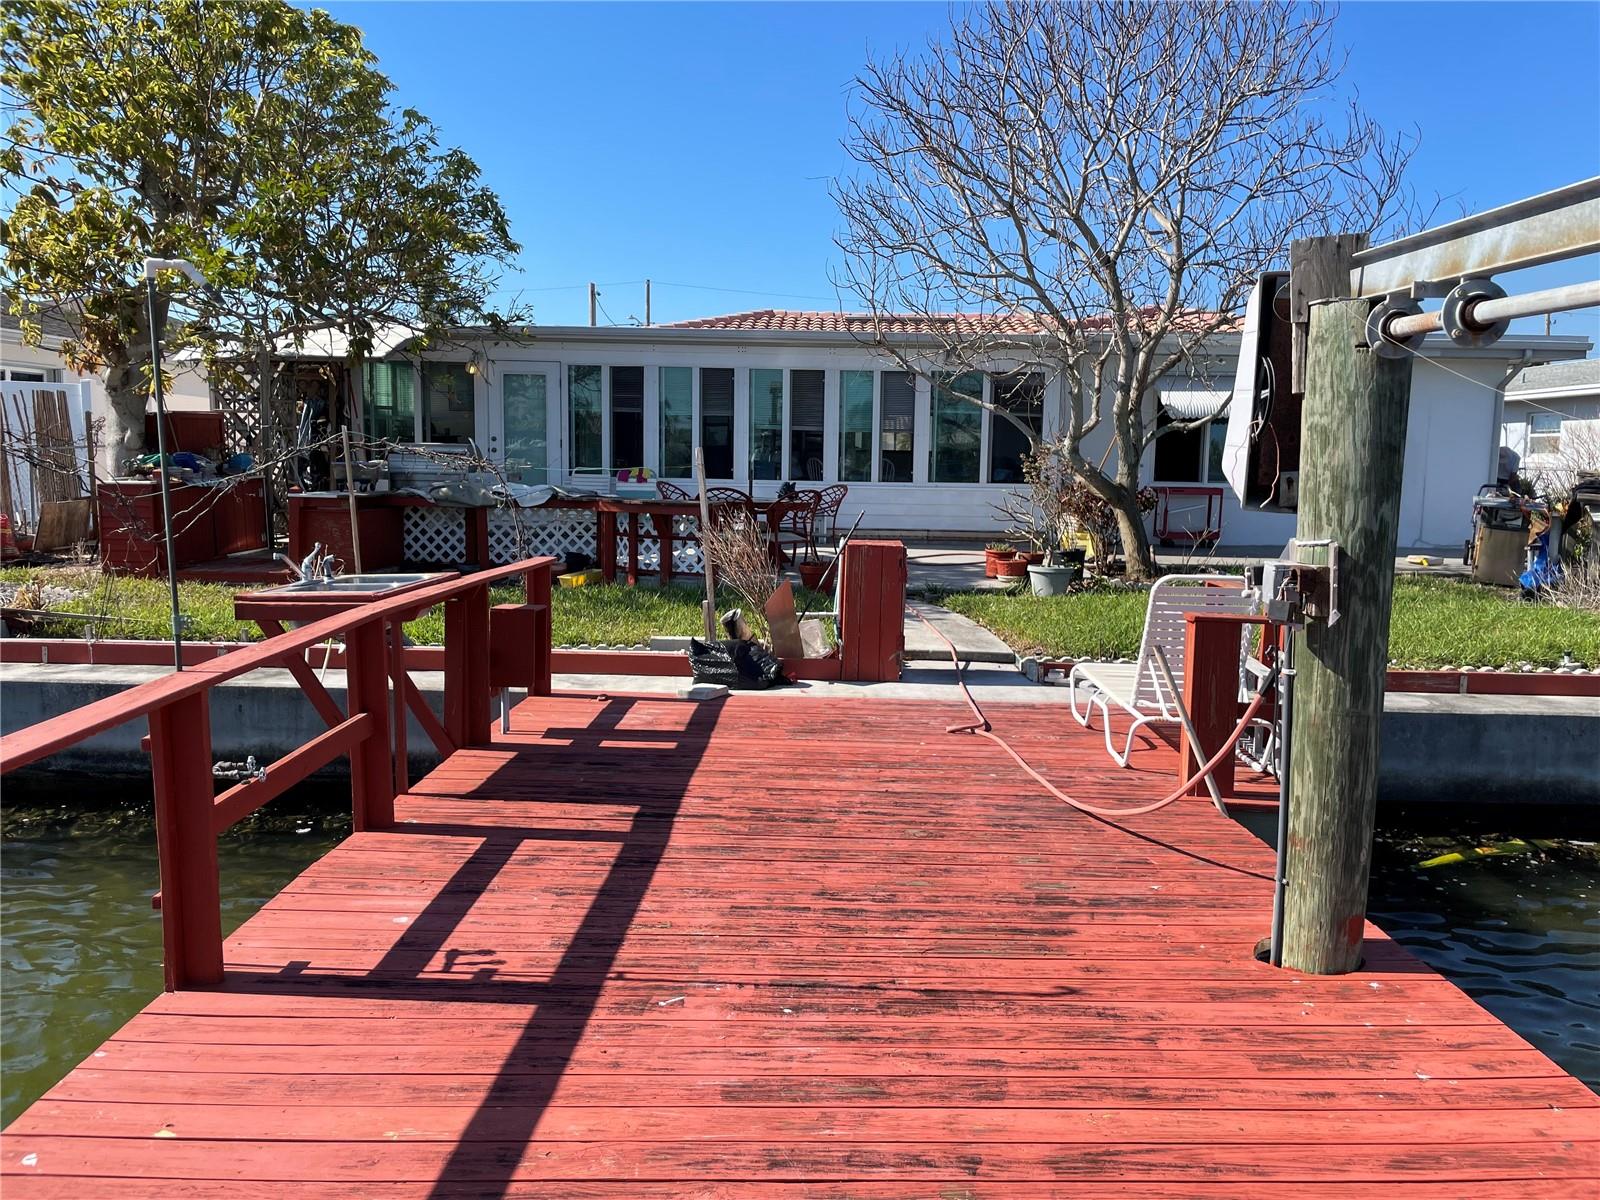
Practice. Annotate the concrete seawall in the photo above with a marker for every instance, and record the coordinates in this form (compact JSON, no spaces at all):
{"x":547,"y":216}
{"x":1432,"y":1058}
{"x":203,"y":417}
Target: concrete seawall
{"x":1446,"y":748}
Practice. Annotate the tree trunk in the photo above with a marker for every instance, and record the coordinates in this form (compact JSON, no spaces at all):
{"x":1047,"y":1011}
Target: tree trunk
{"x":1136,"y":551}
{"x":127,"y":388}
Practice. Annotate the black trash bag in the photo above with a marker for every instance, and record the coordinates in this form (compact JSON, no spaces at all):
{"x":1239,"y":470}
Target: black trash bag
{"x":735,"y":664}
{"x":578,"y":561}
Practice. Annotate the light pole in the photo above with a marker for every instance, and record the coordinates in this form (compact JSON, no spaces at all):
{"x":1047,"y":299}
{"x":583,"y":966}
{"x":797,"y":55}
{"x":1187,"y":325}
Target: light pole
{"x":151,"y":267}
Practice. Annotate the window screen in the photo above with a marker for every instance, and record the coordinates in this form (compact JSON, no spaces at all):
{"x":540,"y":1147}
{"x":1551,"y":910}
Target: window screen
{"x":855,"y":426}
{"x":766,"y":423}
{"x":583,"y":393}
{"x":627,"y":417}
{"x":389,"y":402}
{"x":448,"y":409}
{"x":1023,"y":398}
{"x":806,"y":390}
{"x":677,"y":422}
{"x":716,"y":420}
{"x":895,"y":464}
{"x":957,"y":428}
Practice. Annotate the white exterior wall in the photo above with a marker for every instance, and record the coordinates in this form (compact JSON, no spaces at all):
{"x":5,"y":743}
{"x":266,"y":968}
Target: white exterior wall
{"x":1451,"y":443}
{"x":1580,"y":436}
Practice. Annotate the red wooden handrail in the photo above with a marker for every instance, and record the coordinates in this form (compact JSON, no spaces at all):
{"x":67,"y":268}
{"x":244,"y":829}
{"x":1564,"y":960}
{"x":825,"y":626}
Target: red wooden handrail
{"x":51,"y":736}
{"x":189,"y":816}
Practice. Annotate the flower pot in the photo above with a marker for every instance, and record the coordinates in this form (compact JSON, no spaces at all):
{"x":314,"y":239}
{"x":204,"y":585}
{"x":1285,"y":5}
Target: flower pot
{"x":1054,"y":581}
{"x":991,"y":561}
{"x":811,"y":573}
{"x":1011,"y":568}
{"x":1031,"y":557}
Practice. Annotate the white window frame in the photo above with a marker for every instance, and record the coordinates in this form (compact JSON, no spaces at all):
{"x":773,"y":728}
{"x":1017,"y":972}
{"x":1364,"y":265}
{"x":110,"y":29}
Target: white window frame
{"x":1545,"y":435}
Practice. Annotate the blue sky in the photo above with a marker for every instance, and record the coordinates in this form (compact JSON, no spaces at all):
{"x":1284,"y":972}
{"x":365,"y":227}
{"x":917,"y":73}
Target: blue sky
{"x":693,"y":143}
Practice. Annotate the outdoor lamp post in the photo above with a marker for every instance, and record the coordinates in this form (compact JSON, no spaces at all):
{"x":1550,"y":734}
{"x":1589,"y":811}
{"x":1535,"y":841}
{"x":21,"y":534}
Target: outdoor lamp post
{"x":151,"y":267}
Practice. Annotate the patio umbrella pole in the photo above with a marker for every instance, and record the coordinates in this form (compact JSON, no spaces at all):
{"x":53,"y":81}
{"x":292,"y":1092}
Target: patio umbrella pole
{"x":709,"y":605}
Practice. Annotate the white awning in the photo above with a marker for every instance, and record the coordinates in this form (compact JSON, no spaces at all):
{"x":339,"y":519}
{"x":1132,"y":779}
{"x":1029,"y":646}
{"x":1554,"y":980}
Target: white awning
{"x":1193,"y":399}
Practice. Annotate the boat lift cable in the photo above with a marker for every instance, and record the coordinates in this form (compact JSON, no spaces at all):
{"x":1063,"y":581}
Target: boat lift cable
{"x":981,"y":726}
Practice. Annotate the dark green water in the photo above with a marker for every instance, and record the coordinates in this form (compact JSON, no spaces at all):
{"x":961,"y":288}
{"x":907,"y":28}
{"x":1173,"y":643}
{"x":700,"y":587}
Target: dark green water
{"x":82,"y":946}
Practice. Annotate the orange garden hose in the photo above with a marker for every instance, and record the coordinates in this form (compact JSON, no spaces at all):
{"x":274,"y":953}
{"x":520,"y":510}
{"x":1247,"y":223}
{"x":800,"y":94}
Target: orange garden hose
{"x":982,"y":728}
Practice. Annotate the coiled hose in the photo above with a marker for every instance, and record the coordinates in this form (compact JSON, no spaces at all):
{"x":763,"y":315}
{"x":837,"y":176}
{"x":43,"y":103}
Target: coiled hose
{"x":981,"y":726}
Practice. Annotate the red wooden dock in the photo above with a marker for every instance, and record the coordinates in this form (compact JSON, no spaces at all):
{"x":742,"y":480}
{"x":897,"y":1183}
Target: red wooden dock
{"x":793,"y":947}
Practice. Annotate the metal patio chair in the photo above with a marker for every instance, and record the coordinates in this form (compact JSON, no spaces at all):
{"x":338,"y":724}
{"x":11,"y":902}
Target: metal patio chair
{"x":1138,"y":688}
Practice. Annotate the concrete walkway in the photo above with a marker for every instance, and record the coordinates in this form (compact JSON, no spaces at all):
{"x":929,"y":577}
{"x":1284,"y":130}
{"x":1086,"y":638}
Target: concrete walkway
{"x":957,"y":566}
{"x":974,"y":643}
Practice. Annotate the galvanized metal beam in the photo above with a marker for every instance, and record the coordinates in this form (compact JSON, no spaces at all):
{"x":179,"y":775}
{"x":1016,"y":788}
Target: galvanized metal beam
{"x":1561,"y":224}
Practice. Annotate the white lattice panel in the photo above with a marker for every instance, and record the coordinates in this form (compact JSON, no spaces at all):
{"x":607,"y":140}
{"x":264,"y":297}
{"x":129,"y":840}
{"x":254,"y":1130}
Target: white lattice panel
{"x":516,"y":533}
{"x":435,"y":535}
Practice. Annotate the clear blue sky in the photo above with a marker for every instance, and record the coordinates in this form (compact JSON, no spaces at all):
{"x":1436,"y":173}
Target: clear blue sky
{"x":693,"y":143}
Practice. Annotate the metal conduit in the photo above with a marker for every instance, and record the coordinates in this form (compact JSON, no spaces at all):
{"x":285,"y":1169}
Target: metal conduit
{"x":1487,"y":312}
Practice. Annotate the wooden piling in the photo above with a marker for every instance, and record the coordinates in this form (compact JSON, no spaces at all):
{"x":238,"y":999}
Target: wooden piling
{"x":1353,"y":447}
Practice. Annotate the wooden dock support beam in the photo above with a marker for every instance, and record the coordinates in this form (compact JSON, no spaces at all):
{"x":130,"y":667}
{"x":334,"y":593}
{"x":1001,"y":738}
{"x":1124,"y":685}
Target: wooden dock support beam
{"x":1353,"y":444}
{"x":186,"y":842}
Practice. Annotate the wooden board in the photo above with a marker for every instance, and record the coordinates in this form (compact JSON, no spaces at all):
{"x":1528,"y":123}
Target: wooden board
{"x":601,"y":958}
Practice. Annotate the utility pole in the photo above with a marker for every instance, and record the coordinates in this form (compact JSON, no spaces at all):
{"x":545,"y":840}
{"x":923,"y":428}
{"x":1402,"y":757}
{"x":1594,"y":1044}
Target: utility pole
{"x":1352,"y":452}
{"x":647,"y":303}
{"x":594,"y":299}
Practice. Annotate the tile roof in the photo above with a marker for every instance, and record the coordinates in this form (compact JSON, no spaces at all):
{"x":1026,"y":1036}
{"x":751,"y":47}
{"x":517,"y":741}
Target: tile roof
{"x":777,"y":320}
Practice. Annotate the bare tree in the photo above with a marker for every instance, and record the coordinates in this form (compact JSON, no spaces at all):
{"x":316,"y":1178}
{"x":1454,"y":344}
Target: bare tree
{"x":1093,"y":188}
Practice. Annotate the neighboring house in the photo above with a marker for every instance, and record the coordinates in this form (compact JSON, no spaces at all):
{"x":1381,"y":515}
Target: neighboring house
{"x":775,"y":395}
{"x":1552,"y":421}
{"x":22,"y":363}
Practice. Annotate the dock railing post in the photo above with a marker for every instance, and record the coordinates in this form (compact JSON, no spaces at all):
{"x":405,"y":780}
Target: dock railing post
{"x":466,"y":667}
{"x":1353,"y":450}
{"x":536,"y":588}
{"x":186,"y":842}
{"x":372,"y":777}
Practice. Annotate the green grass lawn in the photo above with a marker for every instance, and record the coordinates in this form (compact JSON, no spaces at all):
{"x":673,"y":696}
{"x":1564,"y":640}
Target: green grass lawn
{"x":1434,"y":623}
{"x":596,"y":615}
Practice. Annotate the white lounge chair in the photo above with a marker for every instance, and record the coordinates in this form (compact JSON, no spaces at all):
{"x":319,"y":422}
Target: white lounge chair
{"x":1138,"y":688}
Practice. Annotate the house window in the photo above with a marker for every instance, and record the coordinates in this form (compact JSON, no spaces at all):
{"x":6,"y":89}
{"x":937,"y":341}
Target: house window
{"x":716,"y":421}
{"x":806,"y":389}
{"x":766,"y":423}
{"x":855,"y":426}
{"x":583,"y":392}
{"x":627,"y":417}
{"x":957,"y":427}
{"x":1190,"y":455}
{"x":1544,"y":433}
{"x":389,"y":402}
{"x":448,"y":409}
{"x":1023,"y":398}
{"x":898,"y":427}
{"x":27,"y":377}
{"x":677,"y":421}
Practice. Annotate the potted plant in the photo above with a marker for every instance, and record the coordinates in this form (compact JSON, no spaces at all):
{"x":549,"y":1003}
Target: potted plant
{"x":811,"y":572}
{"x":992,"y":554}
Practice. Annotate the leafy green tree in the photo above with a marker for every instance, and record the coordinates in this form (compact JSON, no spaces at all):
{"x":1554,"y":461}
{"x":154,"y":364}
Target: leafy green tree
{"x":255,"y":139}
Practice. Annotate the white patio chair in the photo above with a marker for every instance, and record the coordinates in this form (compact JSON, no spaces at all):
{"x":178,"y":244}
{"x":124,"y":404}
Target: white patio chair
{"x":1138,"y":688}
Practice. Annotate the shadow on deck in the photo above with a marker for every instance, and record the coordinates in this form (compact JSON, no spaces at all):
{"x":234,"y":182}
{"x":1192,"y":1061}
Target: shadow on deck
{"x":793,"y":947}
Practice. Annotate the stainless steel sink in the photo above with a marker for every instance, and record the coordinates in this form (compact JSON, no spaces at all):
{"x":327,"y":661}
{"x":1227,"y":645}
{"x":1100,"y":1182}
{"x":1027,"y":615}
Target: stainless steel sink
{"x":354,"y":583}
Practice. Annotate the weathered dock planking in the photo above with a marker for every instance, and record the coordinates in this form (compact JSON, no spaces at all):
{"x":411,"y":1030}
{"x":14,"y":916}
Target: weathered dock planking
{"x":788,"y":947}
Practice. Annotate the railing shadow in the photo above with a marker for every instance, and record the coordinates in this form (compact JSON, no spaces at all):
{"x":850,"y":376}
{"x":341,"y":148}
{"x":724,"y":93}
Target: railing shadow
{"x":484,"y":1158}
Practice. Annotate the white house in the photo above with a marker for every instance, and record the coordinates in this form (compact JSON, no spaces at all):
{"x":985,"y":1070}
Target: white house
{"x":1552,"y":420}
{"x":773,"y":395}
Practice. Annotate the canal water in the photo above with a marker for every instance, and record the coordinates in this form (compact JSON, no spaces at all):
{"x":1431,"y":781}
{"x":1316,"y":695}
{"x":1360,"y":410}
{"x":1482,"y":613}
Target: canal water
{"x":1517,"y":926}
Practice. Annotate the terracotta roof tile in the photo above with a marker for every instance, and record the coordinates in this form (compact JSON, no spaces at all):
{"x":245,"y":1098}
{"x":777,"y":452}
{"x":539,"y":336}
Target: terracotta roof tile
{"x":777,"y":320}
